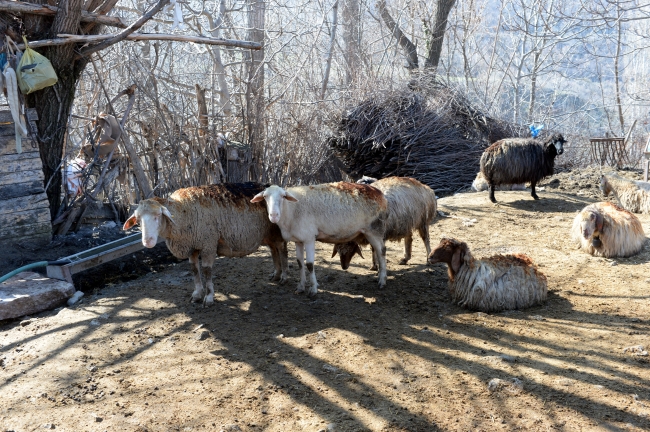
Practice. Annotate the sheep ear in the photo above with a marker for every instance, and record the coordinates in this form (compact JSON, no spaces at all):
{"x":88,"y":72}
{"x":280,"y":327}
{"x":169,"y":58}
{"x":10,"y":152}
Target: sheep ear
{"x":599,"y":222}
{"x":168,"y":215}
{"x":290,"y":197}
{"x":357,"y":249}
{"x":335,"y":250}
{"x":456,"y":260}
{"x":257,"y":198}
{"x":130,"y":223}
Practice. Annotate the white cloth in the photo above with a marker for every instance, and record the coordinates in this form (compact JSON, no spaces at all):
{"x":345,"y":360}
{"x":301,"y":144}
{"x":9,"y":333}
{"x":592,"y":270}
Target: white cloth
{"x":14,"y":106}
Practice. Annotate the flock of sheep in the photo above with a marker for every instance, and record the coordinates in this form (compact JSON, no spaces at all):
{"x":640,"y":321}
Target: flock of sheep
{"x":199,"y":223}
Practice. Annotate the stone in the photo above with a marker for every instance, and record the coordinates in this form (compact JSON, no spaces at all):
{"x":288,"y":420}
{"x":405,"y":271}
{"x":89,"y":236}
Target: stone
{"x":29,"y":293}
{"x":203,"y":335}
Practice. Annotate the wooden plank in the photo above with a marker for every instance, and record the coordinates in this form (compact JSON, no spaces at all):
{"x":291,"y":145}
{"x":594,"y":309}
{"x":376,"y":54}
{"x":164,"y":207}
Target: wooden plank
{"x":8,"y":129}
{"x":16,"y":233}
{"x":8,"y":145}
{"x":11,"y":164}
{"x":25,"y":155}
{"x":27,"y":217}
{"x":16,"y":190}
{"x":29,"y":202}
{"x":5,"y":115}
{"x":22,"y":177}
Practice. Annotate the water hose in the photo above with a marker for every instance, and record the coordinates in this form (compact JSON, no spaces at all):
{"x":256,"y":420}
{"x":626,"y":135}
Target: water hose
{"x":31,"y":266}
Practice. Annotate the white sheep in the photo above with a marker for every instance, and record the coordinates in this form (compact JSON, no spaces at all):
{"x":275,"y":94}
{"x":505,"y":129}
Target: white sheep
{"x":497,"y":283}
{"x":205,"y":221}
{"x":480,"y":184}
{"x":633,"y":195}
{"x":604,"y":229}
{"x":330,"y":213}
{"x":411,"y":206}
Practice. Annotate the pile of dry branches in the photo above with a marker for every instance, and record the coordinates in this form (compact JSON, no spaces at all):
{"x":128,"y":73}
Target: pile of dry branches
{"x":426,"y":131}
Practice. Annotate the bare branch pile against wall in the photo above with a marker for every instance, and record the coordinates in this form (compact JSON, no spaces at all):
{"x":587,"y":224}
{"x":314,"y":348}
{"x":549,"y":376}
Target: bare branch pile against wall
{"x":425,"y":130}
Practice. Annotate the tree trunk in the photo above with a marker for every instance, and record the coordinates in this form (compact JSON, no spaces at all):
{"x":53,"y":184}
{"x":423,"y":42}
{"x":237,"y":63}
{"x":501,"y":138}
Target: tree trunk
{"x":410,"y":50}
{"x":617,"y":84}
{"x":53,"y":104}
{"x":351,"y":14}
{"x":330,"y":50}
{"x":438,"y":33}
{"x":255,"y":88}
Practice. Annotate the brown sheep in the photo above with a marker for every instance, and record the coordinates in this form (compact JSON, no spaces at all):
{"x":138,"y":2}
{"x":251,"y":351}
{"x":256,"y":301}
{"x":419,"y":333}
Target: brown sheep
{"x":497,"y":283}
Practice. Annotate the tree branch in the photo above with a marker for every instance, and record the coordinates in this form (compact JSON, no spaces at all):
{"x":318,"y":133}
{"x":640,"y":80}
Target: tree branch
{"x":410,"y":49}
{"x":46,"y":10}
{"x":71,"y":38}
{"x":127,"y":31}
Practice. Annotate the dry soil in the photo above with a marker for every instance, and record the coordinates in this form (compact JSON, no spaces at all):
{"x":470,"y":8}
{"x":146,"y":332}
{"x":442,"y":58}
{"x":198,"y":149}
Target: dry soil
{"x":138,"y":356}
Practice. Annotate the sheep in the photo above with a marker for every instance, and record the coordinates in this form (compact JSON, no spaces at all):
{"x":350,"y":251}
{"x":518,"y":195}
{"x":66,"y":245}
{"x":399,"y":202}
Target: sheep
{"x":632,"y":195}
{"x":604,"y":229}
{"x":480,"y":184}
{"x":497,"y":283}
{"x":411,"y":206}
{"x":520,"y":160}
{"x":330,"y":213}
{"x":205,"y":221}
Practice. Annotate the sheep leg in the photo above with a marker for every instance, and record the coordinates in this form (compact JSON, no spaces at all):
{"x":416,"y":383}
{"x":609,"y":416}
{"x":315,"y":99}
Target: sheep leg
{"x":207,"y":260}
{"x":284,"y":261}
{"x":300,"y":255}
{"x":492,"y":187}
{"x":374,"y":259}
{"x":408,"y":248}
{"x":423,"y":230}
{"x":310,"y":248}
{"x":377,"y":243}
{"x":532,"y":190}
{"x":197,"y":295}
{"x":275,"y":254}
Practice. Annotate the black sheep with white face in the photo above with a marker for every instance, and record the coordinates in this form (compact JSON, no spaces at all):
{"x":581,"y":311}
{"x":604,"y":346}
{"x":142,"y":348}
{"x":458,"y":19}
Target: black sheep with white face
{"x":520,"y":160}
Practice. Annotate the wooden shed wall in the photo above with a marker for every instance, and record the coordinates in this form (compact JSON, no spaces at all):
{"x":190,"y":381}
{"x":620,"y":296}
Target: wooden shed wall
{"x":24,"y":208}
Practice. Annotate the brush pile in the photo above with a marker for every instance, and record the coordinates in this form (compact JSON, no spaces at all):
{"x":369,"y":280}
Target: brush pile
{"x":426,"y":131}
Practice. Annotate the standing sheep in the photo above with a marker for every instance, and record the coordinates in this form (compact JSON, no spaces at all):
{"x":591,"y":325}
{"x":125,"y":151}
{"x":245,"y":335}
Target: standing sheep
{"x":493,"y":284}
{"x":604,"y":229}
{"x":411,"y":206}
{"x":520,"y":160}
{"x":330,"y":213}
{"x":633,"y":195}
{"x":205,"y":221}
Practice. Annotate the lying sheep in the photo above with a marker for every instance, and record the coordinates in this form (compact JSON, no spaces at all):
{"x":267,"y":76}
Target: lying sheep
{"x":520,"y":160}
{"x":633,"y":195}
{"x":205,"y":221}
{"x":330,"y":213}
{"x":604,"y":229}
{"x":493,"y":284}
{"x":411,"y":206}
{"x":480,"y":184}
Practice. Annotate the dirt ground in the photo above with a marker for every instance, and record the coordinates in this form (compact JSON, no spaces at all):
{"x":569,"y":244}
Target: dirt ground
{"x":137,"y":356}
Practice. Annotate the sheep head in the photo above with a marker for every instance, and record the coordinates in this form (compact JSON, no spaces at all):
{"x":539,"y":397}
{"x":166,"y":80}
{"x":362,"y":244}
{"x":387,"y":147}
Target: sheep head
{"x":591,"y":226}
{"x":274,"y":196}
{"x":346,"y":252}
{"x":451,"y":252}
{"x":556,"y":142}
{"x":154,"y":218}
{"x":605,"y":186}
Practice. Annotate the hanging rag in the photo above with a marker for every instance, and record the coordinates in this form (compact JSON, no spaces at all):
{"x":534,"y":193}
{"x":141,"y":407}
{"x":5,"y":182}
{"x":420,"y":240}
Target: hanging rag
{"x":14,"y":106}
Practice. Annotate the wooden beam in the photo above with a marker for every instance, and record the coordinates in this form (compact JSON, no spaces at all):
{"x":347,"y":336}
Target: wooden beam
{"x":46,"y":10}
{"x":70,"y":38}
